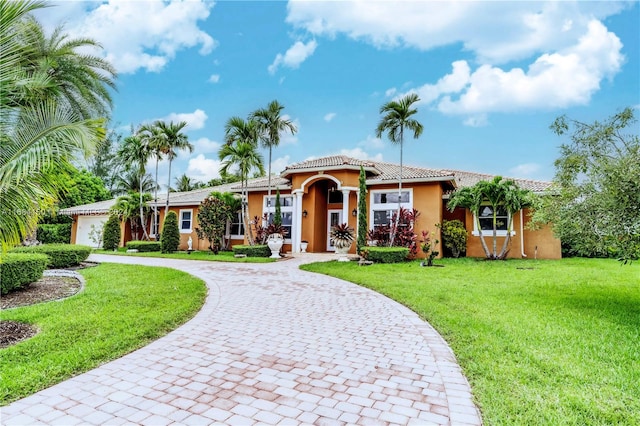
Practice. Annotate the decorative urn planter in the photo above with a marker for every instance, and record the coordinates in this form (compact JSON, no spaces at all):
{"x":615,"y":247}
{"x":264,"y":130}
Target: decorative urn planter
{"x":303,"y":246}
{"x":342,"y":250}
{"x":342,"y":237}
{"x":275,"y":242}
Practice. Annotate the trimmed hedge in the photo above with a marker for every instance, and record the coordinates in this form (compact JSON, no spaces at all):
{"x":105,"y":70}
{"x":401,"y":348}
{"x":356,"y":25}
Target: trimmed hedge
{"x":60,"y":255}
{"x":170,"y":238}
{"x":111,"y":233}
{"x":144,"y":246}
{"x":386,"y":254}
{"x":260,"y":250}
{"x":59,"y":233}
{"x":18,"y":270}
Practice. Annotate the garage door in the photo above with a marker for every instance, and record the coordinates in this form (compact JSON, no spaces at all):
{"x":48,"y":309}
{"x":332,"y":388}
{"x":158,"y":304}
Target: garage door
{"x":85,"y":226}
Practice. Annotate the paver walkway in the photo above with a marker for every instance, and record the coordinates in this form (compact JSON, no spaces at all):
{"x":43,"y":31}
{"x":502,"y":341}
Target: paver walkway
{"x":272,"y":345}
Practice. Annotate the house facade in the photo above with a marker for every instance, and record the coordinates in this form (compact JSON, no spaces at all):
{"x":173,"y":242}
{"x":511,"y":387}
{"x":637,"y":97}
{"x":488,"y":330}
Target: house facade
{"x":319,"y":193}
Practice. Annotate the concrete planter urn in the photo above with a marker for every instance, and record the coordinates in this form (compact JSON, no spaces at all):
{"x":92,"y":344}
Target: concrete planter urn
{"x":275,"y":242}
{"x":342,"y":237}
{"x":303,"y":246}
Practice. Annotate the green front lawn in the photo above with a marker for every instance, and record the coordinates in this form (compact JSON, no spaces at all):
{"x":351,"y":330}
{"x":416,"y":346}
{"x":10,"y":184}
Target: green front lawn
{"x":541,"y":342}
{"x":223,"y":256}
{"x":122,"y":308}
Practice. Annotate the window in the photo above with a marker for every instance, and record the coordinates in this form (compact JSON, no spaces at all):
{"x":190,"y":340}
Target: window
{"x":237,"y":227}
{"x":154,"y":231}
{"x":335,"y":197}
{"x":486,"y":221}
{"x":186,"y":221}
{"x":286,"y":210}
{"x":385,"y":203}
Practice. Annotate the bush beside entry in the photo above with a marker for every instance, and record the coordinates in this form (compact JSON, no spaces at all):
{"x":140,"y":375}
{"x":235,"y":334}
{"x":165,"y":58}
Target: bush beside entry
{"x":258,"y":250}
{"x":144,"y":246}
{"x":111,"y":233}
{"x":18,"y":270}
{"x":170,"y":239}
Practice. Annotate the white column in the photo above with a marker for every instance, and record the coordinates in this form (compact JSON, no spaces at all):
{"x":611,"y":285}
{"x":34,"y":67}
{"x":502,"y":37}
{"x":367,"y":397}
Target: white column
{"x":296,"y":229}
{"x":345,"y":205}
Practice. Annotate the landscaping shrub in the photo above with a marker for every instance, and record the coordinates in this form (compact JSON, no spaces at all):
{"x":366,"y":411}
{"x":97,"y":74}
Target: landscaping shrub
{"x":111,"y":233}
{"x":60,"y":255}
{"x":59,"y":233}
{"x":260,"y":250}
{"x":386,"y":254}
{"x":170,"y":239}
{"x":18,"y":270}
{"x":144,"y":246}
{"x":454,"y":236}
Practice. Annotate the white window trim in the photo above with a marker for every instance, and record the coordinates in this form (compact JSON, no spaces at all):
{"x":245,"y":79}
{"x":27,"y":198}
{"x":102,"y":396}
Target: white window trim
{"x":489,"y":232}
{"x":185,"y":231}
{"x":283,"y":209}
{"x":237,"y":236}
{"x":394,"y":206}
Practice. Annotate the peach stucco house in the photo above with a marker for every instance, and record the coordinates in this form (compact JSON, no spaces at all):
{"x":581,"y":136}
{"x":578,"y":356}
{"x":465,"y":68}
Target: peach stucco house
{"x":319,"y":193}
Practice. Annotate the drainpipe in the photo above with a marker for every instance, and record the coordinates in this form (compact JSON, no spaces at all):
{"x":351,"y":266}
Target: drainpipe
{"x":522,"y":234}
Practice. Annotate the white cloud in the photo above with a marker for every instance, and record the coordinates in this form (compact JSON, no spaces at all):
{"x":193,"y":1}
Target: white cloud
{"x":294,"y":56}
{"x":525,"y":28}
{"x":524,"y":170}
{"x":203,"y":169}
{"x":330,"y":116}
{"x":195,"y":120}
{"x":205,"y":145}
{"x":288,"y":138}
{"x":478,"y":120}
{"x":214,"y":78}
{"x":372,"y":142}
{"x":390,"y":92}
{"x":555,"y":80}
{"x":360,"y":154}
{"x":139,"y":34}
{"x":279,"y":164}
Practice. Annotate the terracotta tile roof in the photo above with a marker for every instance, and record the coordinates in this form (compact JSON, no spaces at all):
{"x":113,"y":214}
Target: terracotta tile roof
{"x":390,"y":172}
{"x":262,"y":183}
{"x":326,"y":162}
{"x":464,"y":179}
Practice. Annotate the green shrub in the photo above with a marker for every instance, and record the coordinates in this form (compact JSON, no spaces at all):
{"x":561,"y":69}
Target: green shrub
{"x":60,"y":255}
{"x":170,"y":240}
{"x":18,"y":270}
{"x":144,"y":246}
{"x":111,"y":233}
{"x":454,"y":236}
{"x":260,"y":250}
{"x":59,"y":233}
{"x":386,"y":254}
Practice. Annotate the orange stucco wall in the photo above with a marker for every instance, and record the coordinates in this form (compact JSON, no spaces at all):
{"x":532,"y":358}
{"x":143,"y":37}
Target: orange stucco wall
{"x":540,"y":243}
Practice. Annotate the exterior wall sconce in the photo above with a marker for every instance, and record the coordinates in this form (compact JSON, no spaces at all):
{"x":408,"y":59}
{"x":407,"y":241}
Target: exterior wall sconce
{"x":304,"y":213}
{"x":354,"y":212}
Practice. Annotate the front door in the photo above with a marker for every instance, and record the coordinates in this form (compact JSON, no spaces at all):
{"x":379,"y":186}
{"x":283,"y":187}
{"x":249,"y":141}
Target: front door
{"x":334,"y":218}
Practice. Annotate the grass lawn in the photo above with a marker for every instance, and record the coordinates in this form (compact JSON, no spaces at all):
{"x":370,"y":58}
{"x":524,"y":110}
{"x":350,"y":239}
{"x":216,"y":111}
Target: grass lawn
{"x":223,"y":256}
{"x":541,"y":342}
{"x":121,"y":309}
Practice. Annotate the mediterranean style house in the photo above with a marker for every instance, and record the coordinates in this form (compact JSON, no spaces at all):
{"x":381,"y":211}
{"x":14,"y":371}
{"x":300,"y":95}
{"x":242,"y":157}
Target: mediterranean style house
{"x":319,"y":193}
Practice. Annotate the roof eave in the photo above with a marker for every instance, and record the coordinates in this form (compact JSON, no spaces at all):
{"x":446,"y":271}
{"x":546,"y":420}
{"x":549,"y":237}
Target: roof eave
{"x":414,"y":180}
{"x":288,"y":172}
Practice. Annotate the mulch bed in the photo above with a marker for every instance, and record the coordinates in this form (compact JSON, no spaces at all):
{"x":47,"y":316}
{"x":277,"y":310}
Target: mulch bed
{"x":46,"y":289}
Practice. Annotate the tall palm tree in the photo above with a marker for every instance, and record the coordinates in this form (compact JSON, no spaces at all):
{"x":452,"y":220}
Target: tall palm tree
{"x":80,"y":80}
{"x":136,"y":154}
{"x":245,"y":156}
{"x":270,"y":125}
{"x":184,"y":183}
{"x":396,"y":118}
{"x":174,"y":140}
{"x":129,"y":181}
{"x":38,"y":133}
{"x":156,"y":141}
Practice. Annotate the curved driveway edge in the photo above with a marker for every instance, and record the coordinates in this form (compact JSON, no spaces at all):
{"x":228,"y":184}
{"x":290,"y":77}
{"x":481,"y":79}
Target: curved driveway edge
{"x":271,"y":345}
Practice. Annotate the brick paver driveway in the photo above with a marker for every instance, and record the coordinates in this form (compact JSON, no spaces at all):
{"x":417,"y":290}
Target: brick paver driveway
{"x":272,"y":345}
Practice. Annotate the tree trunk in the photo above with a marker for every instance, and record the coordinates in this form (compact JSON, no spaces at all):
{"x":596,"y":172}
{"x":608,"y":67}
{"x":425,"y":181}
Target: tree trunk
{"x":166,"y":207}
{"x":395,"y":227}
{"x":155,"y":203}
{"x":143,"y":221}
{"x":269,"y":179}
{"x":503,"y":252}
{"x":495,"y":233}
{"x":482,"y":241}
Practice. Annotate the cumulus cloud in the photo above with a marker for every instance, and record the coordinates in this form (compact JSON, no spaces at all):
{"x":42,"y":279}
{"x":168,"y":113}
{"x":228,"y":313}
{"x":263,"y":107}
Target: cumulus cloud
{"x":524,"y":170}
{"x":203,"y":169}
{"x":279,"y":164}
{"x":206,"y":145}
{"x":554,"y":80}
{"x":214,"y":78}
{"x":139,"y":34}
{"x":371,"y":142}
{"x":294,"y":56}
{"x":330,"y":116}
{"x":195,"y":120}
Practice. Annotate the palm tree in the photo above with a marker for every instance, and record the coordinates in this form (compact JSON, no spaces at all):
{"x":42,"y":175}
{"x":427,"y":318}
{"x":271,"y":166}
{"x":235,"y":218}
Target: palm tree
{"x":397,"y":117}
{"x":80,"y":80}
{"x":136,"y":154}
{"x":38,"y":133}
{"x":244,"y":155}
{"x":130,"y":181}
{"x":174,"y":140}
{"x":270,"y":124}
{"x":184,"y":183}
{"x":497,"y":193}
{"x":156,"y":141}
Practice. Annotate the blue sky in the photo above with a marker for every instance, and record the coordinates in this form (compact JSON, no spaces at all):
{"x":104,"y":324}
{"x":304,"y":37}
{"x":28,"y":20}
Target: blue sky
{"x":491,"y":76}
